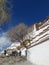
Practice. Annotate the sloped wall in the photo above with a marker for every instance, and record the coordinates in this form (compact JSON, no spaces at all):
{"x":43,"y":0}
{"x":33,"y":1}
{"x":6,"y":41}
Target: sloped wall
{"x":39,"y":54}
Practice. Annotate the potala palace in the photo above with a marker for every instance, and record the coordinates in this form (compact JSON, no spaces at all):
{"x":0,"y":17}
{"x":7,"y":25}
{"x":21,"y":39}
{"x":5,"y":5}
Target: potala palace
{"x":38,"y":46}
{"x":38,"y":52}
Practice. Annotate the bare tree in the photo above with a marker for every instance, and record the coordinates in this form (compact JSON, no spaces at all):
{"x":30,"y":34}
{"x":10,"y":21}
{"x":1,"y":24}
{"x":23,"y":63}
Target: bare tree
{"x":17,"y":33}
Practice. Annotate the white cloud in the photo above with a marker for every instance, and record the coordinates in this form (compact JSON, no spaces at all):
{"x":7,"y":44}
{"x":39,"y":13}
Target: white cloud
{"x":4,"y":42}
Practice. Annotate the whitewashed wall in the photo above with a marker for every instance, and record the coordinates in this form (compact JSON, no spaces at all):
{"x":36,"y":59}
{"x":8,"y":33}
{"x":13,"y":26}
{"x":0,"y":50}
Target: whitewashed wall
{"x":39,"y":54}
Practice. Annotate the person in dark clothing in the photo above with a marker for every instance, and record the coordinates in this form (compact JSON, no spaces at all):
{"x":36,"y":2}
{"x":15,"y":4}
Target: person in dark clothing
{"x":20,"y":53}
{"x":5,"y":52}
{"x":13,"y":53}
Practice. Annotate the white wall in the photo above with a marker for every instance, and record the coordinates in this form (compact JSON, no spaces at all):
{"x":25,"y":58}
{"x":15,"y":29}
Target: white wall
{"x":39,"y":54}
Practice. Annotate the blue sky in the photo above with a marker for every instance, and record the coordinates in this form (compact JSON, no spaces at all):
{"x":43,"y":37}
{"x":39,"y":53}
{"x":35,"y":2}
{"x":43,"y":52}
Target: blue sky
{"x":28,"y":12}
{"x":24,"y":11}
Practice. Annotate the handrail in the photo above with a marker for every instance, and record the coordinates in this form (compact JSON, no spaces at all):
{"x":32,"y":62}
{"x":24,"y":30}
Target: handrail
{"x":44,"y":31}
{"x":43,"y":25}
{"x":38,"y":43}
{"x":41,"y":33}
{"x":40,"y":38}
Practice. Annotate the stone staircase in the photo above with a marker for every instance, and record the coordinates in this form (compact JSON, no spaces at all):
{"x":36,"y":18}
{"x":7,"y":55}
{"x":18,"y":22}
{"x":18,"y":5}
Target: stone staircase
{"x":40,"y":37}
{"x":12,"y":60}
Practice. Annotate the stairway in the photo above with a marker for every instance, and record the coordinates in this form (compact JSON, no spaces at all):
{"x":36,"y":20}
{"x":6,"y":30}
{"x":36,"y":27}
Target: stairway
{"x":14,"y":61}
{"x":39,"y":38}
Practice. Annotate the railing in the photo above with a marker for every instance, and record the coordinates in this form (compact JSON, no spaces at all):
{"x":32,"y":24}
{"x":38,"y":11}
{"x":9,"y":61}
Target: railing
{"x":39,"y":42}
{"x":41,"y":37}
{"x":45,"y":24}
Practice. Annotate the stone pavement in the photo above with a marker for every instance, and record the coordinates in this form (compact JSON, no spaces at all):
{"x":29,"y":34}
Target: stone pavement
{"x":14,"y":61}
